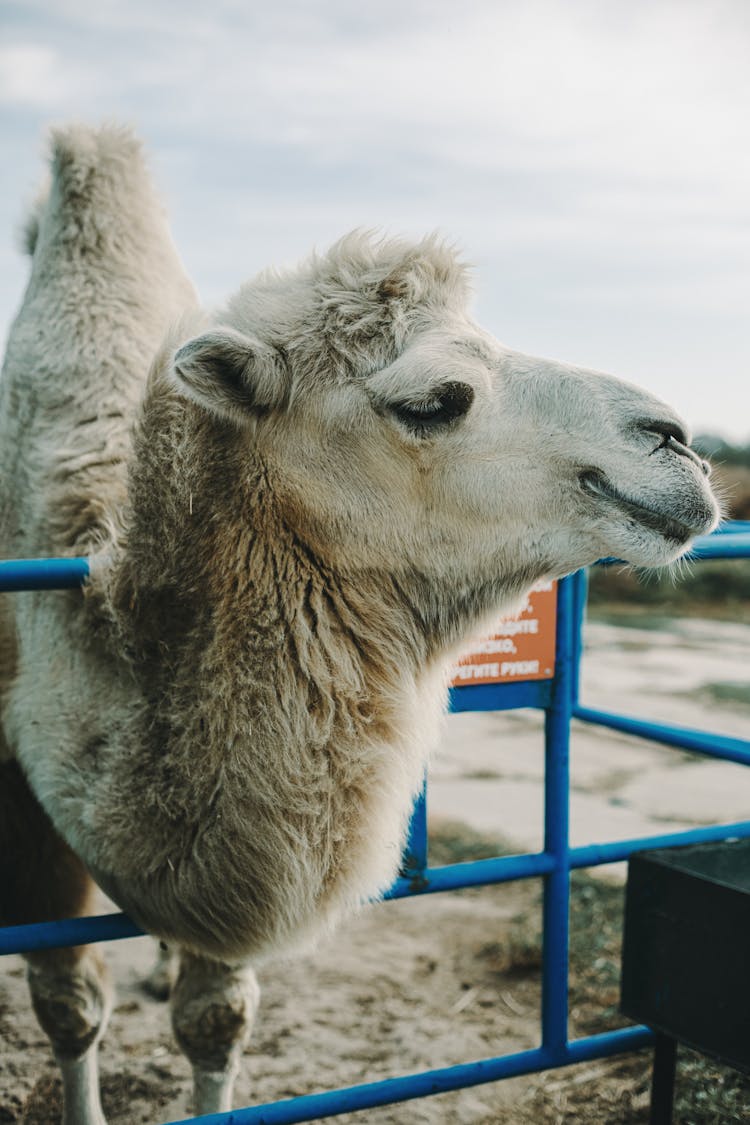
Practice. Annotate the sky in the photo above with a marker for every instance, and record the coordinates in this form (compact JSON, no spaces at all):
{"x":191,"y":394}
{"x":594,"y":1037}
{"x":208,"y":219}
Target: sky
{"x":591,"y":158}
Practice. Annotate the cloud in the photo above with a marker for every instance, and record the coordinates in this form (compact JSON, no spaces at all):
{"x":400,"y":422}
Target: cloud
{"x":31,"y":74}
{"x":592,"y":157}
{"x":655,"y":94}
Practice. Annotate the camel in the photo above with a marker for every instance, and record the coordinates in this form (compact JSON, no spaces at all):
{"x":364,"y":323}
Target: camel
{"x":297,"y":510}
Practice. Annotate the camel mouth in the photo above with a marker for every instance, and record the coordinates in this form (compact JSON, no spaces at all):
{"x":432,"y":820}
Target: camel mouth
{"x":596,"y":484}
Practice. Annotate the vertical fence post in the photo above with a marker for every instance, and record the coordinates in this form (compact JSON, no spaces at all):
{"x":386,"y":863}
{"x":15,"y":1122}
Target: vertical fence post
{"x":556,"y":818}
{"x":580,"y":582}
{"x":414,"y":859}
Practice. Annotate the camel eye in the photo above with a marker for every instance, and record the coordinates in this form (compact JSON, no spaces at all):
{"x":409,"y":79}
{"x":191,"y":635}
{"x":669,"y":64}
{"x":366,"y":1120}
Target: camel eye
{"x":445,"y":405}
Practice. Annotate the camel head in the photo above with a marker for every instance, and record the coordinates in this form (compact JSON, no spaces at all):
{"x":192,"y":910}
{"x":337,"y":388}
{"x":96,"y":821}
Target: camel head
{"x":400,"y":436}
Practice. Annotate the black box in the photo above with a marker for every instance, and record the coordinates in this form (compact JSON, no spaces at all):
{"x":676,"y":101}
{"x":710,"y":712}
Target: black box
{"x":686,"y":946}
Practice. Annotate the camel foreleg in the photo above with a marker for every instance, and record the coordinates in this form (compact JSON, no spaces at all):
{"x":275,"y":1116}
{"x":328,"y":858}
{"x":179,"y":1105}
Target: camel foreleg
{"x":213,"y":1009}
{"x":72,"y":1000}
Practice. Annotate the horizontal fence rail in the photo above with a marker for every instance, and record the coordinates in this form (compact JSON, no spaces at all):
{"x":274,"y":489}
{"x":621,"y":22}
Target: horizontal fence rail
{"x":42,"y":574}
{"x":558,"y":699}
{"x":314,"y":1107}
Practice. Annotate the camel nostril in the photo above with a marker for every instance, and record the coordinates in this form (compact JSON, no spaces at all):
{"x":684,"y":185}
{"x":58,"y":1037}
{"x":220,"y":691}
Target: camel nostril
{"x":668,"y":431}
{"x":675,"y":440}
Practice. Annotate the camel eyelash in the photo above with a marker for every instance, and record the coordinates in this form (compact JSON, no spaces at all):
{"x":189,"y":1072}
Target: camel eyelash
{"x":445,"y":405}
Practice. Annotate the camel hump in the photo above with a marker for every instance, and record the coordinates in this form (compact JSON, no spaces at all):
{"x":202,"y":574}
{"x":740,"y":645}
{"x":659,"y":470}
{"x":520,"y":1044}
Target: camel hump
{"x":98,"y":177}
{"x":85,"y":157}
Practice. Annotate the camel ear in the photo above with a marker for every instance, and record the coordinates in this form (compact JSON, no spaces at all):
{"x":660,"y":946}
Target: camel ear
{"x":231,"y":374}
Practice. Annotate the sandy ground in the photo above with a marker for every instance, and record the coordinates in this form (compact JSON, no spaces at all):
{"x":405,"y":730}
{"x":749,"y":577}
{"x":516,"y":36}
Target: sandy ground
{"x":424,"y":983}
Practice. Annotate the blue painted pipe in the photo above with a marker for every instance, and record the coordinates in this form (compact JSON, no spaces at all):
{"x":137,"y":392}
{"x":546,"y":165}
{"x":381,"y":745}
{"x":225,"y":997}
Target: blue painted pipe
{"x":725,"y":545}
{"x":730,"y":527}
{"x":592,"y":855}
{"x":414,"y":859}
{"x":313,"y":1107}
{"x":42,"y":574}
{"x":555,"y":906}
{"x":702,"y":742}
{"x":67,"y":931}
{"x":580,"y":599}
{"x":434,"y":880}
{"x":111,"y":927}
{"x":730,"y":541}
{"x":478,"y":873}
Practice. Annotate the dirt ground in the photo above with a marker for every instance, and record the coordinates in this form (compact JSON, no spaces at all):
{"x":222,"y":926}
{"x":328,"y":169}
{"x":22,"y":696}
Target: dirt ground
{"x":407,"y":986}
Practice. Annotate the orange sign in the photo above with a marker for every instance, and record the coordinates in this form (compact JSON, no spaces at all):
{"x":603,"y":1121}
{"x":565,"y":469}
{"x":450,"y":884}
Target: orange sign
{"x":521,"y":648}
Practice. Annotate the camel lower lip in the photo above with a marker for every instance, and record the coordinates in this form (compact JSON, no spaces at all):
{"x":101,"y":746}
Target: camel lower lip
{"x":596,"y":485}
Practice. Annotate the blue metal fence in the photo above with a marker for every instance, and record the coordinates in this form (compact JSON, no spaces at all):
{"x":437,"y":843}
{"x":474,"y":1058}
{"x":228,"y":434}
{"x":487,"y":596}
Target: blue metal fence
{"x":558,"y":699}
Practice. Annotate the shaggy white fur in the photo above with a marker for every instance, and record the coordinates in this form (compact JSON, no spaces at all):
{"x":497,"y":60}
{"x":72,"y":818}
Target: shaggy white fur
{"x":315,"y":498}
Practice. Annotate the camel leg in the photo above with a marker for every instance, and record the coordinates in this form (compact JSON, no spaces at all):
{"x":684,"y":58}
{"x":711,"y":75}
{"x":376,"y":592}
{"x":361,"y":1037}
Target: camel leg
{"x":213,"y":1008}
{"x":72,"y":1003}
{"x":43,"y":880}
